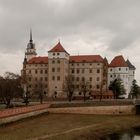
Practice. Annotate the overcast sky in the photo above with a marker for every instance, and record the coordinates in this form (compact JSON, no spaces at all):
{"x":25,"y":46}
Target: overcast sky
{"x":105,"y":27}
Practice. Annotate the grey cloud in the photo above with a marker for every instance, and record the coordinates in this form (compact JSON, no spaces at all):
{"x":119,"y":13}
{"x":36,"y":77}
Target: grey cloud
{"x":53,"y":18}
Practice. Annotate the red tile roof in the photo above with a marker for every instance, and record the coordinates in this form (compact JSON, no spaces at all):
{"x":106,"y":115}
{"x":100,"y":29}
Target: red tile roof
{"x":86,"y":58}
{"x":58,"y":48}
{"x":38,"y":60}
{"x":118,"y":61}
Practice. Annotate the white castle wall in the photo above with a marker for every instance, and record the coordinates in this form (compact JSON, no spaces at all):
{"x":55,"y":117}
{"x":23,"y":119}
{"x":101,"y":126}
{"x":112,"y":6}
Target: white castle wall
{"x":122,"y":73}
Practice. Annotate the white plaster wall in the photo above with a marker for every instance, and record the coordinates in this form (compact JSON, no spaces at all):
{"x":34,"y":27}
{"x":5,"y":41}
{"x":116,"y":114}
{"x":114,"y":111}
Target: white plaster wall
{"x":61,"y":55}
{"x":119,"y":72}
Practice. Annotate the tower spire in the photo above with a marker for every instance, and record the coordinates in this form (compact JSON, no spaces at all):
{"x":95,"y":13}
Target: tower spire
{"x":31,"y":35}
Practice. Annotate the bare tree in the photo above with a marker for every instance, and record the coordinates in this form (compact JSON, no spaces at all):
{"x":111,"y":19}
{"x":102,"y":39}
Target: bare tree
{"x":103,"y":82}
{"x":25,"y":85}
{"x":69,"y":86}
{"x":38,"y":90}
{"x":10,"y":88}
{"x":85,"y":88}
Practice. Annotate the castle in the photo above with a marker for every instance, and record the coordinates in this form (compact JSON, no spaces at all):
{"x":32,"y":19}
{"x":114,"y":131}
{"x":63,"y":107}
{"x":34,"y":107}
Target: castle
{"x":51,"y":74}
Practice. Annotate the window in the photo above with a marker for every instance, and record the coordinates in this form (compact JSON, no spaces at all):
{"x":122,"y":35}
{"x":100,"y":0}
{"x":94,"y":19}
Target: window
{"x":126,"y":69}
{"x":46,"y":78}
{"x":53,"y":78}
{"x":36,"y":71}
{"x":98,"y":70}
{"x":73,"y":79}
{"x":90,"y":70}
{"x":41,"y":71}
{"x":77,"y":64}
{"x":83,"y":78}
{"x":72,"y":71}
{"x":98,"y":64}
{"x":35,"y":78}
{"x":77,"y":79}
{"x":83,"y":86}
{"x":90,"y":64}
{"x":53,"y":69}
{"x":110,"y":69}
{"x":83,"y":64}
{"x":29,"y":71}
{"x":58,"y":78}
{"x":110,"y":75}
{"x":45,"y":71}
{"x":78,"y":70}
{"x":119,"y":69}
{"x":57,"y":53}
{"x":41,"y":78}
{"x":90,"y":78}
{"x":53,"y":54}
{"x":83,"y":70}
{"x":97,"y":86}
{"x":98,"y":79}
{"x":53,"y":62}
{"x":90,"y":86}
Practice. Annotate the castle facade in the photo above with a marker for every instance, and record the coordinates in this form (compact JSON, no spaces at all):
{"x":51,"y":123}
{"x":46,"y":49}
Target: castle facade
{"x":54,"y":74}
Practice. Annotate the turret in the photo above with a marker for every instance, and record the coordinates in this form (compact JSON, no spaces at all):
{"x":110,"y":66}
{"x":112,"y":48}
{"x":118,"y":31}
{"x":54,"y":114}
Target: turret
{"x":30,"y":50}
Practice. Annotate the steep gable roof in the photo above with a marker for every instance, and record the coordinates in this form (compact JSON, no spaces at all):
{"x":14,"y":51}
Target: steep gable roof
{"x":38,"y":60}
{"x":130,"y":64}
{"x":118,"y":61}
{"x":86,"y":58}
{"x":58,"y":48}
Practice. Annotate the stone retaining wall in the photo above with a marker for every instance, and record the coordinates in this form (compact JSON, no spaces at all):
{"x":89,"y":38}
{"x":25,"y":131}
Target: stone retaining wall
{"x":102,"y":110}
{"x":22,"y":110}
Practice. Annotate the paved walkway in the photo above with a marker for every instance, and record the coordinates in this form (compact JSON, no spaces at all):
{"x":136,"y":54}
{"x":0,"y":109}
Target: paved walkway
{"x":22,"y":110}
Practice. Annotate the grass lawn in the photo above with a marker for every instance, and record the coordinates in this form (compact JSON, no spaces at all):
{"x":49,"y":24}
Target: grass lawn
{"x":66,"y":127}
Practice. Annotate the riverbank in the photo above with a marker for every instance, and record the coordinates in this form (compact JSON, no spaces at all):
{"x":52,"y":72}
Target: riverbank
{"x":67,"y":127}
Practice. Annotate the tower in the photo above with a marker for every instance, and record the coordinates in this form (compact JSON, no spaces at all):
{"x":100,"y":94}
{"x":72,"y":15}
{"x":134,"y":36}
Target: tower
{"x":131,"y":74}
{"x":58,"y":63}
{"x":30,"y":50}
